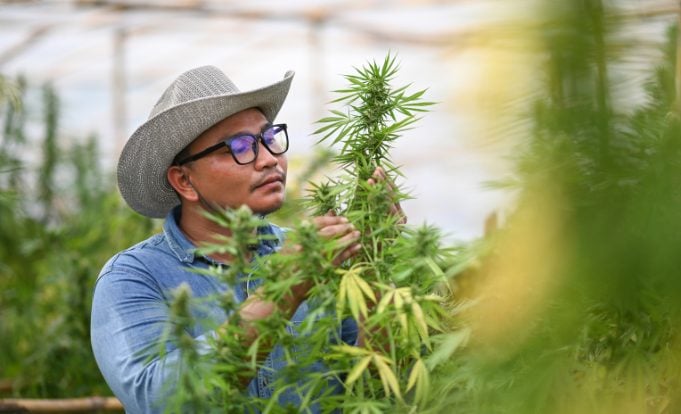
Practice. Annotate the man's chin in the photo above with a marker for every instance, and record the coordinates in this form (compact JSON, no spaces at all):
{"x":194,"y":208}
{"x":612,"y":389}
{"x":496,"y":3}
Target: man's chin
{"x":268,"y":209}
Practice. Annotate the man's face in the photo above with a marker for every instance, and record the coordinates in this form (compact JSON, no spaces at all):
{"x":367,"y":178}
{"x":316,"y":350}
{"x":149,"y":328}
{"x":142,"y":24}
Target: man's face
{"x":219,"y":179}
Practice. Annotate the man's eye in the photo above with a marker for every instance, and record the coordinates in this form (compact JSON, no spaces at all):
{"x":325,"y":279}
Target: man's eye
{"x":241,"y":145}
{"x":269,"y":136}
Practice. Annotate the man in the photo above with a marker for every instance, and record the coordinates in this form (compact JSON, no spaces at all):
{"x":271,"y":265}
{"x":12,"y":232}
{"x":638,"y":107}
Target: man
{"x":205,"y":145}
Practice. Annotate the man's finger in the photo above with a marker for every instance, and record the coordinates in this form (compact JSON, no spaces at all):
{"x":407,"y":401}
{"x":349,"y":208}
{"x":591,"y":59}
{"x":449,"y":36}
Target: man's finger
{"x":380,"y":176}
{"x":336,"y":230}
{"x":348,"y":239}
{"x":347,"y":253}
{"x":325,"y":221}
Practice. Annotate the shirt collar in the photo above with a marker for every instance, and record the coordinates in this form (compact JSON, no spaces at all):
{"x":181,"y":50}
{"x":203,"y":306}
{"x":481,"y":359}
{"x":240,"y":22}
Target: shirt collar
{"x":177,"y":241}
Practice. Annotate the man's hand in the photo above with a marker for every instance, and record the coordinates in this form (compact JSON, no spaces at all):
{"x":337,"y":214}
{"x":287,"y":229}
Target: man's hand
{"x":331,"y":226}
{"x":395,"y":209}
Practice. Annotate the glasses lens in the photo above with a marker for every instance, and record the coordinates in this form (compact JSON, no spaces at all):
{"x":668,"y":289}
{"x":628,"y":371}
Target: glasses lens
{"x":276,"y":139}
{"x":243,"y":148}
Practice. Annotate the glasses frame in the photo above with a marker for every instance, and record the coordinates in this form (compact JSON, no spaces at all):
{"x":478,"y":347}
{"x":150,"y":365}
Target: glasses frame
{"x":225,"y":143}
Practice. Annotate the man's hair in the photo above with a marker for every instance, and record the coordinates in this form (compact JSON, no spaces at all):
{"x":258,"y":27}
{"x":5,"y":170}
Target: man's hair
{"x":184,"y":153}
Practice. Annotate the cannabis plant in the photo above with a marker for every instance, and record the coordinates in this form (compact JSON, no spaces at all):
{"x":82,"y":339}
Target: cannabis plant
{"x":390,"y":288}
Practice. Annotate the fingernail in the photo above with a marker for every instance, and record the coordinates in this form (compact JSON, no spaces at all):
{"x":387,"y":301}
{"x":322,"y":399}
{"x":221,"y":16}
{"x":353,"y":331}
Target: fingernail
{"x":344,"y":220}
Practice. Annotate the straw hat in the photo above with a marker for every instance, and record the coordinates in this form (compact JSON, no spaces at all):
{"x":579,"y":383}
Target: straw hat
{"x":195,"y":101}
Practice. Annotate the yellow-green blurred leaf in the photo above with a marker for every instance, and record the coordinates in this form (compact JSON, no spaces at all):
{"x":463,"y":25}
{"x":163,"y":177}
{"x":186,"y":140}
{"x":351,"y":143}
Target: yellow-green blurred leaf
{"x":357,"y":370}
{"x":387,"y":376}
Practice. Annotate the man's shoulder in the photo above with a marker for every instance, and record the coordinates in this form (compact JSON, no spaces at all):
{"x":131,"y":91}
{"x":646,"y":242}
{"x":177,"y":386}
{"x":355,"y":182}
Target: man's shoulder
{"x":137,"y":257}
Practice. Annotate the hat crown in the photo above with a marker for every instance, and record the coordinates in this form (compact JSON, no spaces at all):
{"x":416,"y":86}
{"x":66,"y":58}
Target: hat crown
{"x":201,"y":82}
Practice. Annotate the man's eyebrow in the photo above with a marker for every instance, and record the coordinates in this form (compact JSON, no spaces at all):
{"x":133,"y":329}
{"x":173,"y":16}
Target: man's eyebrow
{"x":222,"y":137}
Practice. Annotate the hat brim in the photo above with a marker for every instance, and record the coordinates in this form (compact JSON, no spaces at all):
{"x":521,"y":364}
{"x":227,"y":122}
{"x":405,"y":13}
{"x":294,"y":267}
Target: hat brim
{"x":151,"y":149}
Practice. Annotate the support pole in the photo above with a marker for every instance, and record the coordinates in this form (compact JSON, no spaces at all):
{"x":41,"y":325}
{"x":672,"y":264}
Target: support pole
{"x":677,"y":72}
{"x":118,"y":89}
{"x":87,"y":404}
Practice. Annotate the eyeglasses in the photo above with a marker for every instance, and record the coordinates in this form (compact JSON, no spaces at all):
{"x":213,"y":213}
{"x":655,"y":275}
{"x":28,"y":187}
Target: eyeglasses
{"x":244,"y":147}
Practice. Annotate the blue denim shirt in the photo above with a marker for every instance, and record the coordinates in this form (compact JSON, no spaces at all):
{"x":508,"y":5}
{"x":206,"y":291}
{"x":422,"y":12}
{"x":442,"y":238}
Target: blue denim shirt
{"x":130,"y":311}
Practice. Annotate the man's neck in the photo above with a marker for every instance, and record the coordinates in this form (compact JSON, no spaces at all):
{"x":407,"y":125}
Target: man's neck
{"x":201,"y":231}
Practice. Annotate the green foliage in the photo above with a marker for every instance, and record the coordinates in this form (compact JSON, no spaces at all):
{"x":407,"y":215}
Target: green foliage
{"x":604,"y":337}
{"x":60,"y":220}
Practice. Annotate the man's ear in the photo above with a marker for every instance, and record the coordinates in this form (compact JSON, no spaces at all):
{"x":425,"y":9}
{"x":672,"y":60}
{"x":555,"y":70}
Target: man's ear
{"x":179,"y":180}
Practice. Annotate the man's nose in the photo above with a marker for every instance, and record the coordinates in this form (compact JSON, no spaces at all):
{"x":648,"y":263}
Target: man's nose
{"x":265,"y":158}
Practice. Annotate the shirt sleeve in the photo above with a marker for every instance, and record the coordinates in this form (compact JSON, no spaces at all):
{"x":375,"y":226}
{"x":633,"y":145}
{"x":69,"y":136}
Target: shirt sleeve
{"x":129,"y":316}
{"x":349,"y":331}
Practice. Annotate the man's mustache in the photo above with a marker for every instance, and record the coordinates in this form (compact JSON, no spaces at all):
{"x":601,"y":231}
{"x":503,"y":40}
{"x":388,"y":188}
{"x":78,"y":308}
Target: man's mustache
{"x":277,"y":175}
